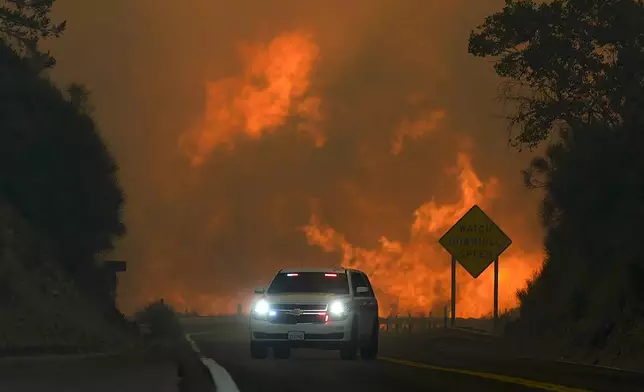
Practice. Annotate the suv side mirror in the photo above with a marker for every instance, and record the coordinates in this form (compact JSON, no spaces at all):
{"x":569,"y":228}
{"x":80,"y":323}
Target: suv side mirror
{"x":259,"y":291}
{"x":362,"y":290}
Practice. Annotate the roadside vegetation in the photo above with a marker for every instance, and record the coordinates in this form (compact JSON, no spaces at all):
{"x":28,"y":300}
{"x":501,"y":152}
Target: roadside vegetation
{"x":164,"y":334}
{"x":161,"y":321}
{"x":60,"y":199}
{"x":60,"y":211}
{"x":41,"y":307}
{"x":573,"y":72}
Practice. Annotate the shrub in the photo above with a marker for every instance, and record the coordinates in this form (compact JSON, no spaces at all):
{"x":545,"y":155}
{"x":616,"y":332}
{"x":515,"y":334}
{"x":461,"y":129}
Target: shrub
{"x":162,"y":320}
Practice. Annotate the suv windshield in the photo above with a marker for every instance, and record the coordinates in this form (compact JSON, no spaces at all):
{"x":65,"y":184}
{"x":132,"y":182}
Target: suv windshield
{"x":309,"y":282}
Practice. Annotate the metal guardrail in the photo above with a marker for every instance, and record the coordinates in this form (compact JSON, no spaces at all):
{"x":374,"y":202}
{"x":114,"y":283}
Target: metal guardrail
{"x":408,"y":324}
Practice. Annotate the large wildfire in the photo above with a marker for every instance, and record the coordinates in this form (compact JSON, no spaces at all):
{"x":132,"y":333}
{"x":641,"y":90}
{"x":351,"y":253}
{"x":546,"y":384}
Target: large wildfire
{"x":411,"y":275}
{"x":414,"y":277}
{"x":273,"y":88}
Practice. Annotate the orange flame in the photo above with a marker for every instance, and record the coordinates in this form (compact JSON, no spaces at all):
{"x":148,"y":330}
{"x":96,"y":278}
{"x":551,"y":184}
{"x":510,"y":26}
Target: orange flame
{"x":273,"y":88}
{"x":415,"y":129}
{"x":415,"y":276}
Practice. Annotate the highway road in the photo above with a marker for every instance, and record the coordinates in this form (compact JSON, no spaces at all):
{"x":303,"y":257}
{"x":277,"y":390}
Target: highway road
{"x":429,"y":361}
{"x":88,"y":373}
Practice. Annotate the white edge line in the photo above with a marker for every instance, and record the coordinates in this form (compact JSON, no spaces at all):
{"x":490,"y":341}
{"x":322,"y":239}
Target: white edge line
{"x":221,"y":378}
{"x":223,"y":381}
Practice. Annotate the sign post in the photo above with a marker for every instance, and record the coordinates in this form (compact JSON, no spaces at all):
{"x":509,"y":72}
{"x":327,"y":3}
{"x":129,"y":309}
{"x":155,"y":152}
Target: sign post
{"x":112,"y":267}
{"x":475,"y":241}
{"x":496,"y":292}
{"x":445,"y":316}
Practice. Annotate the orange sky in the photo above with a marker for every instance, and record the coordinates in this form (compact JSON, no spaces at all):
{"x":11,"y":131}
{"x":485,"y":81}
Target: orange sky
{"x":255,"y":136}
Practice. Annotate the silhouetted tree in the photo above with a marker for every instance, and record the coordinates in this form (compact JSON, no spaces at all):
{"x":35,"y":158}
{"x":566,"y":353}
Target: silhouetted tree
{"x":575,"y":71}
{"x":567,"y":63}
{"x":54,"y":166}
{"x":23,"y":23}
{"x":79,"y":97}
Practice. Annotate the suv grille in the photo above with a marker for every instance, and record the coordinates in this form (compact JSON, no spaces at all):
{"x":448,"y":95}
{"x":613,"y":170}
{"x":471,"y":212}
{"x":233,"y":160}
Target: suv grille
{"x":304,"y":307}
{"x":284,"y":318}
{"x":289,"y":313}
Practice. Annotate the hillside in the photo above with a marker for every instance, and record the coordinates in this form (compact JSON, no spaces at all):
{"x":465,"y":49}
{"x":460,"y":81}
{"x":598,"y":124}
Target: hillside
{"x":580,"y":63}
{"x":40,"y":307}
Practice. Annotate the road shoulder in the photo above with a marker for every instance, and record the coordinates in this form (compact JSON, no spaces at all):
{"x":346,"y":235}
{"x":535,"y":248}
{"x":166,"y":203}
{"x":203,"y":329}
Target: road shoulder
{"x":95,"y":373}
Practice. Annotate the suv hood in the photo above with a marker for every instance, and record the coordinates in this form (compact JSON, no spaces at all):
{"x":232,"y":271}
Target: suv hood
{"x":304,"y":298}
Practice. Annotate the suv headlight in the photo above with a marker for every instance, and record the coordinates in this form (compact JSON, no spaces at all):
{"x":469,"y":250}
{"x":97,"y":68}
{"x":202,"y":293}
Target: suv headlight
{"x":338,"y":310}
{"x":261,"y":309}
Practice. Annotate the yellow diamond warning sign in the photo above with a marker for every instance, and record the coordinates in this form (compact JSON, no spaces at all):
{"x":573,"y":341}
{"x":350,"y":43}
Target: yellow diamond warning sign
{"x":475,"y":241}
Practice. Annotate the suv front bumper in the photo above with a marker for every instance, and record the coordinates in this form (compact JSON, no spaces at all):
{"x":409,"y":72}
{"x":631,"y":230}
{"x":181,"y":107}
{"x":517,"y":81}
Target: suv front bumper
{"x":330,"y":335}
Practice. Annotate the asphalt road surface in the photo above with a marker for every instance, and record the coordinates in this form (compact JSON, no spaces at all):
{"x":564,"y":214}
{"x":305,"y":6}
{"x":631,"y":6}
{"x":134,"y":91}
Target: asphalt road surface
{"x":90,"y":373}
{"x":428,"y":361}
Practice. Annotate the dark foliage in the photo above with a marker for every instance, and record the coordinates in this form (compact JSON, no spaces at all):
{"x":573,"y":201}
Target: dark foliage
{"x":567,"y":63}
{"x":575,"y":69}
{"x":55,"y":168}
{"x":162,"y":321}
{"x":23,"y":23}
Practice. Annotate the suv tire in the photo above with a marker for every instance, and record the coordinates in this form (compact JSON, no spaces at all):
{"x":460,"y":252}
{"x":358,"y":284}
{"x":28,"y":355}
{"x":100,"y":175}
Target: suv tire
{"x":258,"y":350}
{"x":349,"y":351}
{"x":370,"y":351}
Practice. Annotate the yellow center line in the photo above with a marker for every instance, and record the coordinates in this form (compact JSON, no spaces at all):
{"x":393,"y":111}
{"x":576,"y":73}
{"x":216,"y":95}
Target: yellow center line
{"x":498,"y":377}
